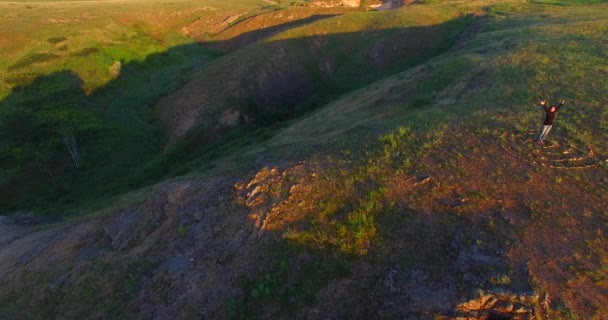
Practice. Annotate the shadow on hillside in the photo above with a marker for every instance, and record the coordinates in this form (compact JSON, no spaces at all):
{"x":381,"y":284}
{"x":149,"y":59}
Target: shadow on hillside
{"x":277,"y":81}
{"x":250,"y":37}
{"x":423,"y":260}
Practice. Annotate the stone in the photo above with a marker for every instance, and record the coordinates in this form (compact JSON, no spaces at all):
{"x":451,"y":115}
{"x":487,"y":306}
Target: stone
{"x":420,"y":180}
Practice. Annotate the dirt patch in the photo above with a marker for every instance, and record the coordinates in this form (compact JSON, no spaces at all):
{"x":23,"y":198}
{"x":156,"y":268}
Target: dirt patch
{"x":558,"y":153}
{"x":534,"y":192}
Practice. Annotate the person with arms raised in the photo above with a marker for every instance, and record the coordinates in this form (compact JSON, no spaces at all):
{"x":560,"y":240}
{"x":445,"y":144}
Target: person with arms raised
{"x":550,"y":113}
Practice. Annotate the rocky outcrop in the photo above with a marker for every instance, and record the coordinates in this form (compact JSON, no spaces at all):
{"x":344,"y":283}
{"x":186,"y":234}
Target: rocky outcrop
{"x":390,"y":4}
{"x":336,"y":3}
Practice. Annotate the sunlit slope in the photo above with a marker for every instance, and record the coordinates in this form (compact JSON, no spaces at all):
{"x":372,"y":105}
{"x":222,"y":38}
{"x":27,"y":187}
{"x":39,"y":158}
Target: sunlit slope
{"x":87,"y":37}
{"x":246,"y":30}
{"x":109,"y":59}
{"x":295,"y":70}
{"x":506,"y":62}
{"x":466,"y":147}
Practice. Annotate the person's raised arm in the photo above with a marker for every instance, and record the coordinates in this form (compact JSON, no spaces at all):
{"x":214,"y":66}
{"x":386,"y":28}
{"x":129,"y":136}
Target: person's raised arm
{"x":561,"y":104}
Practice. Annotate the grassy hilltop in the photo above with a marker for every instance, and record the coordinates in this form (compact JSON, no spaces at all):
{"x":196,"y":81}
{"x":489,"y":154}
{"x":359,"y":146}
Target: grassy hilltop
{"x":305,"y":162}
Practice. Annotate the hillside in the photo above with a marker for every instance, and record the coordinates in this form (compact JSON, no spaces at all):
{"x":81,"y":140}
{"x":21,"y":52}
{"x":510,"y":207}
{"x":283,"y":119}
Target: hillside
{"x":378,"y":165}
{"x":93,"y":75}
{"x":295,"y":70}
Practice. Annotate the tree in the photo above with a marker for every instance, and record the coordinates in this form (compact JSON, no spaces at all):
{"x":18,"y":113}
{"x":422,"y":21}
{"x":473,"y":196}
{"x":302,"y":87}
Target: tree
{"x":39,"y":120}
{"x":66,"y":123}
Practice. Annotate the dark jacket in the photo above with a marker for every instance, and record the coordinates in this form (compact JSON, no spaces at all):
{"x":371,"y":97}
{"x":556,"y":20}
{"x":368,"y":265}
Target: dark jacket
{"x":550,"y":115}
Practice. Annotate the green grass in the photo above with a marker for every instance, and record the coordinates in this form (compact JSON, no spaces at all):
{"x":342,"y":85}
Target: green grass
{"x":129,"y":134}
{"x":71,"y":27}
{"x":450,"y":118}
{"x":125,"y":71}
{"x":494,"y":84}
{"x":344,"y":45}
{"x":113,"y":284}
{"x":541,"y":61}
{"x":282,"y":282}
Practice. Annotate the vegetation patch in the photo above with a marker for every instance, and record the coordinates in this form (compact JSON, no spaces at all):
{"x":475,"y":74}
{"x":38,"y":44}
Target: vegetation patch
{"x":85,"y":52}
{"x":55,"y":40}
{"x":292,"y":282}
{"x":33,"y":59}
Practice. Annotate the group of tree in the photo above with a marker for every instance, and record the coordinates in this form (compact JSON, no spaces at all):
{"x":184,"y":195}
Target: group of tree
{"x":41,"y":127}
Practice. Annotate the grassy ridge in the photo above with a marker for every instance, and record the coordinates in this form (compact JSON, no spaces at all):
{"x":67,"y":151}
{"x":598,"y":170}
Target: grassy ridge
{"x":458,"y":113}
{"x":546,"y":54}
{"x":468,"y":119}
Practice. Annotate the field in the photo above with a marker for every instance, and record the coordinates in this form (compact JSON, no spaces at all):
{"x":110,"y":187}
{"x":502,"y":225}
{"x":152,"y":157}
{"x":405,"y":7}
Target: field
{"x":362,"y":178}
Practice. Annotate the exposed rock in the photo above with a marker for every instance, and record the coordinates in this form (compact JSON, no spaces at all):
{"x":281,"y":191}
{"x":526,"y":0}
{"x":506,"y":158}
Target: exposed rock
{"x":390,"y":4}
{"x":232,"y":18}
{"x":119,"y":226}
{"x":420,"y":180}
{"x":482,"y":303}
{"x":499,"y":305}
{"x":118,"y":223}
{"x":336,"y":3}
